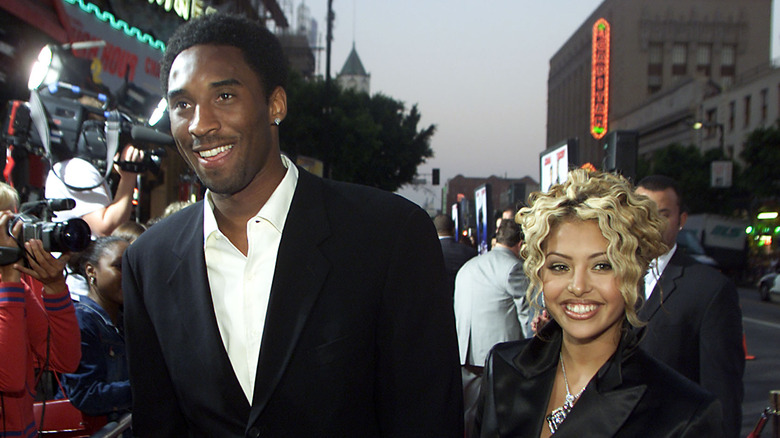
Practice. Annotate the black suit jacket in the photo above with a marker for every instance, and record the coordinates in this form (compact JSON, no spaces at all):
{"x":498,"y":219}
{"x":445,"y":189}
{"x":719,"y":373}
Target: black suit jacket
{"x":694,"y":325}
{"x":455,"y":255}
{"x":631,"y":396}
{"x":359,"y":337}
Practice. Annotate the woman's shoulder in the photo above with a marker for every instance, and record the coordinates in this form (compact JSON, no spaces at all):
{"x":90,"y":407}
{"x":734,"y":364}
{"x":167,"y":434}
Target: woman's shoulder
{"x":89,"y":314}
{"x":507,"y":352}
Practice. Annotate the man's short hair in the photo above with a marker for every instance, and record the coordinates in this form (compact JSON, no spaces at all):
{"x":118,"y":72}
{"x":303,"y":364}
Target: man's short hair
{"x":509,"y":233}
{"x":659,"y":183}
{"x":262,"y":50}
{"x":444,"y":224}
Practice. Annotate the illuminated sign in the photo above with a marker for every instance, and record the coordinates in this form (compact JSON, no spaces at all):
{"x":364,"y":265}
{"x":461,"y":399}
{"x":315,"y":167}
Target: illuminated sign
{"x":599,"y":79}
{"x":185,"y":9}
{"x":117,"y":24}
{"x":484,"y":214}
{"x":555,"y":162}
{"x":555,"y":167}
{"x":128,"y":53}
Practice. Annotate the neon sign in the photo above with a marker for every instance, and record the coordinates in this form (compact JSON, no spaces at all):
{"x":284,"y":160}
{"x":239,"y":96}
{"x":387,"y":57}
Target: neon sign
{"x":599,"y":79}
{"x":117,"y":24}
{"x":185,"y":9}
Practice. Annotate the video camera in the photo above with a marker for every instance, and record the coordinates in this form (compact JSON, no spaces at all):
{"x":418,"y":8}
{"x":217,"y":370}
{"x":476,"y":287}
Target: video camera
{"x":81,"y":123}
{"x":72,"y":235}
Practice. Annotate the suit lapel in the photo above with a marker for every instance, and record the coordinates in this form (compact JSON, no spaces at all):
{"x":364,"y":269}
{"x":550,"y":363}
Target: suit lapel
{"x":300,"y":272}
{"x":665,"y":287}
{"x":609,"y":399}
{"x":532,"y":372}
{"x":189,"y":274}
{"x":599,"y":413}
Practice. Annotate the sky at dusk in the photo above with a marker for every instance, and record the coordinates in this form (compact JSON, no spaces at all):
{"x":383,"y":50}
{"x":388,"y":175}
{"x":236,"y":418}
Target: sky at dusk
{"x":476,"y":69}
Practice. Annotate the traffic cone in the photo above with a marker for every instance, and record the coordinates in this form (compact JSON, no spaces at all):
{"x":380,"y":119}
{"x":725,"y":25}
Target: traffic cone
{"x":744,"y":347}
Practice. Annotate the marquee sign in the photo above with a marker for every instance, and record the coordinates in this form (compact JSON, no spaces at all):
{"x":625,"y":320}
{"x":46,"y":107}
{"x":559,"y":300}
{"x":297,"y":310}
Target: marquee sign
{"x":185,"y":9}
{"x":599,"y":103}
{"x":128,"y":53}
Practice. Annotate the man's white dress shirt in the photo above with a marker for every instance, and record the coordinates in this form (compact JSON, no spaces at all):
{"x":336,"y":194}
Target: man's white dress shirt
{"x":241,"y":285}
{"x":655,"y":270}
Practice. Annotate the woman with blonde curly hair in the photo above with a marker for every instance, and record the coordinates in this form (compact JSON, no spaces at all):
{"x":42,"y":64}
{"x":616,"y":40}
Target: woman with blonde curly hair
{"x":589,"y":242}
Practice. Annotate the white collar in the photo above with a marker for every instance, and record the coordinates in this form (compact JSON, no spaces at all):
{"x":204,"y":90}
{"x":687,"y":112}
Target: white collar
{"x":274,"y":210}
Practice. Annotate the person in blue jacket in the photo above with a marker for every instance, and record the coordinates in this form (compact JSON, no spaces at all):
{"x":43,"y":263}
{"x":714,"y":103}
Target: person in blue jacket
{"x":101,"y":384}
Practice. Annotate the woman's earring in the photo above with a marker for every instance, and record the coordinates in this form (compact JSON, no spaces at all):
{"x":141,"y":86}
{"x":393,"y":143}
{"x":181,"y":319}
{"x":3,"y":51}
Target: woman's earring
{"x":277,"y":121}
{"x":93,"y":281}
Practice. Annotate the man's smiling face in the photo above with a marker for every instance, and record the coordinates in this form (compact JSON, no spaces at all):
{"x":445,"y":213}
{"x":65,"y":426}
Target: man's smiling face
{"x":220,"y":117}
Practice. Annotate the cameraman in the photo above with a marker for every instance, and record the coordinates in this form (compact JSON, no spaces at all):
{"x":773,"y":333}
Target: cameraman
{"x":37,"y":330}
{"x":102,"y":212}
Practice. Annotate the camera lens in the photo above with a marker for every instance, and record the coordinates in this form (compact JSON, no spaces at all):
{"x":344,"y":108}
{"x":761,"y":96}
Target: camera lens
{"x":72,"y":235}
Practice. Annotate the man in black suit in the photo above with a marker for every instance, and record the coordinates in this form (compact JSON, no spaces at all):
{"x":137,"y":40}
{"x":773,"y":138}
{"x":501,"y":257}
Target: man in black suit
{"x":455,"y":254}
{"x":694,"y":322}
{"x":283,"y":304}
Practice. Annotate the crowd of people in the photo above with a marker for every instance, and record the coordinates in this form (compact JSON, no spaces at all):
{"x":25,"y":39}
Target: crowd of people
{"x":288,"y":305}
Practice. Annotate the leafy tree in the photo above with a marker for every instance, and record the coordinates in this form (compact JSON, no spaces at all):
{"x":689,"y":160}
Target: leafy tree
{"x":691,"y":169}
{"x":761,"y":154}
{"x":373,"y":139}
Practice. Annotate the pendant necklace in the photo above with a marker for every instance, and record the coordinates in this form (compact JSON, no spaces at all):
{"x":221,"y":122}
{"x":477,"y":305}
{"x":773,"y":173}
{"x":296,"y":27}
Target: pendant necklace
{"x":557,"y":416}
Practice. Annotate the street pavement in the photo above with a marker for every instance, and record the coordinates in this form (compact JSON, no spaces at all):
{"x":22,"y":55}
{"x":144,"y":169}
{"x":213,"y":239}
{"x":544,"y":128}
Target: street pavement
{"x":761,"y":323}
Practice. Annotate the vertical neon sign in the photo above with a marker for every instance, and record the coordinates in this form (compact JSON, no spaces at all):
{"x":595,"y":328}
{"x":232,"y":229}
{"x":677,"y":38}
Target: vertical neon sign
{"x":599,"y":79}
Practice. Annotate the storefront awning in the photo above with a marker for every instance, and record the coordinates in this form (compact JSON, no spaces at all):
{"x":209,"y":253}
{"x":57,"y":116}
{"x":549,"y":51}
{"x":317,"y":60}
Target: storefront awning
{"x":39,"y":14}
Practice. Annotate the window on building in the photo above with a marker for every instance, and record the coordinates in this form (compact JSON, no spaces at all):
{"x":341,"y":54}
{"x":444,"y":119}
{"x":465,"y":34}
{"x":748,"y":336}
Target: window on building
{"x":727,"y":55}
{"x":679,"y":59}
{"x":732,"y":110}
{"x":727,"y":63}
{"x":747,"y":111}
{"x":710,"y":119}
{"x":704,"y":59}
{"x":655,"y":67}
{"x":764,"y":105}
{"x":653,"y":84}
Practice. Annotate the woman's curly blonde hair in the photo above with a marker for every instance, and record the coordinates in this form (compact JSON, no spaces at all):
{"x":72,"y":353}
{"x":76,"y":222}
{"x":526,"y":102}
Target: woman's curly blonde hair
{"x":630,"y":223}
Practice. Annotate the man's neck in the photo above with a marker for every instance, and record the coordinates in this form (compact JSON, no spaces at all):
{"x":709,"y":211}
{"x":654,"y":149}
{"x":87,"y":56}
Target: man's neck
{"x":239,"y":207}
{"x":233,"y":211}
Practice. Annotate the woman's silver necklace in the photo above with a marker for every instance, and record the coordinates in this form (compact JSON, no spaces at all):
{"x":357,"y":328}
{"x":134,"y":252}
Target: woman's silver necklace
{"x":557,"y":416}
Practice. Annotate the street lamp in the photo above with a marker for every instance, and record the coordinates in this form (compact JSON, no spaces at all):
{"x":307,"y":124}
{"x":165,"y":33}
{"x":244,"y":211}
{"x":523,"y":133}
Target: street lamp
{"x":698,"y":125}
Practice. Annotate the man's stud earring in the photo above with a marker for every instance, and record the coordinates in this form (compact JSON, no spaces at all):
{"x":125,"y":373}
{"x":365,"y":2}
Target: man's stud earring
{"x":277,"y":121}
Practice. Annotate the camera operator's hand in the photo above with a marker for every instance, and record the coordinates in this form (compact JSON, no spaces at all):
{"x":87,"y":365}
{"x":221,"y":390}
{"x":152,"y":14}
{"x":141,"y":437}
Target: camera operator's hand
{"x":131,"y":154}
{"x":44,"y":267}
{"x":103,"y":221}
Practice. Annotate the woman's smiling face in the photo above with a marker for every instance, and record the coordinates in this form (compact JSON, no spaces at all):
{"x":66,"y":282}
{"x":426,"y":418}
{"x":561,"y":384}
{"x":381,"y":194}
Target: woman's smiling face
{"x":581,"y":290}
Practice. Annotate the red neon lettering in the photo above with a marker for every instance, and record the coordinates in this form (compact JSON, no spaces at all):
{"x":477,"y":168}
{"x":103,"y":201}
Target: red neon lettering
{"x":599,"y":109}
{"x":152,"y":67}
{"x":117,"y":61}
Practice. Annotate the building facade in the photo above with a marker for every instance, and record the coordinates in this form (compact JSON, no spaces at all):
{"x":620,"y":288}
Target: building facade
{"x":753,"y":102}
{"x":666,"y":57}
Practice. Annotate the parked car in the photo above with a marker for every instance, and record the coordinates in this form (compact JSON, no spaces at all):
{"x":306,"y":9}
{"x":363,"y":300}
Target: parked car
{"x":767,"y":285}
{"x":688,"y":242}
{"x":722,"y":238}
